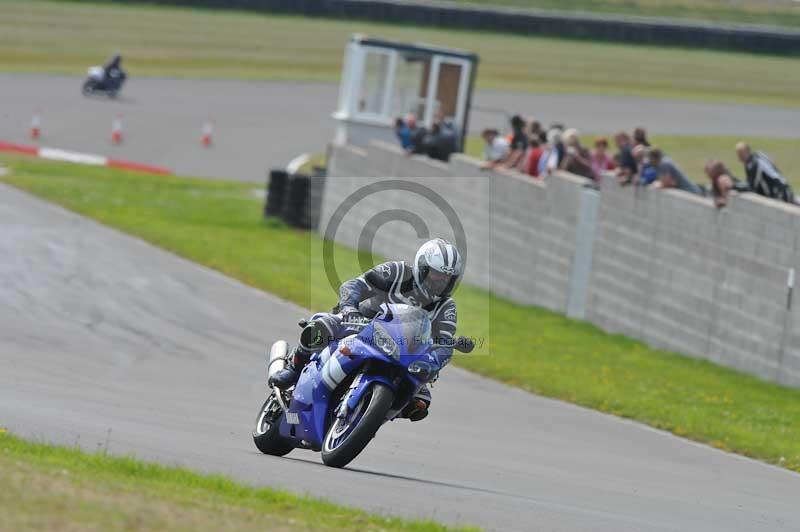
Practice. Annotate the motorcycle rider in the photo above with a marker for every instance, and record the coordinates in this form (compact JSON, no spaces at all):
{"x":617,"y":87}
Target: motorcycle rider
{"x":112,"y":70}
{"x":427,"y":283}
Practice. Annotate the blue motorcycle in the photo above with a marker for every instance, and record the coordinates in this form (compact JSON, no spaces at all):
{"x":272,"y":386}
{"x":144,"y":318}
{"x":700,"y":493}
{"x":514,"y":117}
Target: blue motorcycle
{"x":353,"y":385}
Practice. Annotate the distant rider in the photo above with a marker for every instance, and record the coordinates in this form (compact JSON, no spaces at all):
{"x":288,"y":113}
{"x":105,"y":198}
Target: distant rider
{"x":113,"y":69}
{"x":427,"y":283}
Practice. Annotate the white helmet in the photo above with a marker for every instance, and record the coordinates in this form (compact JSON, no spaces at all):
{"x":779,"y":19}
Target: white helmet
{"x":437,"y":267}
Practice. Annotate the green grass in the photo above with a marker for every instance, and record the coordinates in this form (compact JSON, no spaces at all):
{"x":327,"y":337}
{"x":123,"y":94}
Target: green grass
{"x":780,"y":12}
{"x":691,"y":152}
{"x":67,"y":37}
{"x":46,"y":487}
{"x":218,"y":223}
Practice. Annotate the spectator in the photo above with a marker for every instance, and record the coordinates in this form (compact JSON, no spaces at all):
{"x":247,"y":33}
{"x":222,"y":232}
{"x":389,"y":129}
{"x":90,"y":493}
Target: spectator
{"x":556,"y":154}
{"x":541,"y":170}
{"x":640,"y":137}
{"x":722,"y":182}
{"x":536,"y":130}
{"x":534,"y":155}
{"x":669,"y":175}
{"x":496,"y":148}
{"x":403,"y":133}
{"x":518,"y":143}
{"x":577,"y":159}
{"x":627,"y":167}
{"x":601,"y":161}
{"x":440,"y":142}
{"x":763,"y":177}
{"x":417,"y":134}
{"x":647,"y":173}
{"x":446,"y":124}
{"x":543,"y":138}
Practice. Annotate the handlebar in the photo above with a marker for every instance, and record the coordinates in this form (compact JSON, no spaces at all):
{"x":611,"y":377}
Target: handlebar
{"x":463,"y":344}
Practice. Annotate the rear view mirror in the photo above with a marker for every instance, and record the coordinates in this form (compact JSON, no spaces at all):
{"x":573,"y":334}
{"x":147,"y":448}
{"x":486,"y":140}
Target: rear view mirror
{"x":463,"y":344}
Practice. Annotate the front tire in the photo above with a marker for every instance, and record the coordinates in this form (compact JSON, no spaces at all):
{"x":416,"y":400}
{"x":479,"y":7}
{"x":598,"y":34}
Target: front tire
{"x":347,"y":437}
{"x":266,"y":433}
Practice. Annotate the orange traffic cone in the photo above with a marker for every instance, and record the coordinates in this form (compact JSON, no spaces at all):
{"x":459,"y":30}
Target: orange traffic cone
{"x":36,"y":126}
{"x":116,"y":130}
{"x":205,"y":139}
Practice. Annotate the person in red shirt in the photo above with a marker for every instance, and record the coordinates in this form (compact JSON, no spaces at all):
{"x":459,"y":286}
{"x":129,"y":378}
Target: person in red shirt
{"x":601,"y":160}
{"x":534,"y":154}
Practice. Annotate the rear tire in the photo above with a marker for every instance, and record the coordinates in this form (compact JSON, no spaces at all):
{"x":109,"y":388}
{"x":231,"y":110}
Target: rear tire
{"x":340,"y":451}
{"x":266,"y":433}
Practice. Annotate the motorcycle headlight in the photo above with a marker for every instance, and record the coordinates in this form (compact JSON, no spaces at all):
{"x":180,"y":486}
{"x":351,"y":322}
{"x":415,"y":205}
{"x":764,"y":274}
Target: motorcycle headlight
{"x":384,"y":342}
{"x":421,"y":370}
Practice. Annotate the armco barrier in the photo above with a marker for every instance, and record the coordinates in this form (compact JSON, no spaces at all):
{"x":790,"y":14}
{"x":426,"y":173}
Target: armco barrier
{"x":665,"y":267}
{"x":645,"y":30}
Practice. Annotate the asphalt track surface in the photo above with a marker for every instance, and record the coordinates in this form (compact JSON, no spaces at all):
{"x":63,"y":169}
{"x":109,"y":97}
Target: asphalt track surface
{"x":107,"y":342}
{"x":260,"y":125}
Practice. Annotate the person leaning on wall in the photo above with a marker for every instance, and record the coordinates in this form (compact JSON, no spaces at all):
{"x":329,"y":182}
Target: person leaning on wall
{"x":723,"y":182}
{"x":669,"y":175}
{"x":763,"y":177}
{"x":495,"y":148}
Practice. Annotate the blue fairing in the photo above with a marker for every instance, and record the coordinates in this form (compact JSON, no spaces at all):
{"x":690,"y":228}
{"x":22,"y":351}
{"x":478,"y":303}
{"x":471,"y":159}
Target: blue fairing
{"x":310,"y":411}
{"x":363,"y":385}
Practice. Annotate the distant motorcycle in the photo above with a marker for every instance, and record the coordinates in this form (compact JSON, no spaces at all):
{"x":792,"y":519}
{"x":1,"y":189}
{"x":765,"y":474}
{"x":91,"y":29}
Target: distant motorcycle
{"x":353,"y":386}
{"x":105,"y":81}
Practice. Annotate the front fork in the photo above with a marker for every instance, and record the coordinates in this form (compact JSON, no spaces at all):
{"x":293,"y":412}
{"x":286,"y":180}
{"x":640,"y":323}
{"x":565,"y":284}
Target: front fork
{"x":344,"y":405}
{"x":358,"y":387}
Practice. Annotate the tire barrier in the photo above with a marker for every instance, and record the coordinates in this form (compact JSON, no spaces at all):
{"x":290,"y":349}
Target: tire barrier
{"x":277,"y":184}
{"x":642,"y":30}
{"x":294,"y":198}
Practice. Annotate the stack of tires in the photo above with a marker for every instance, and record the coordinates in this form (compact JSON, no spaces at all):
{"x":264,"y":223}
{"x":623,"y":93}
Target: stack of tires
{"x":294,"y":198}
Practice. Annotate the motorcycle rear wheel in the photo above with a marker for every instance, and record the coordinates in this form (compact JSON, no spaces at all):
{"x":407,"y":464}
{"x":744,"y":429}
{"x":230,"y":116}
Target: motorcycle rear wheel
{"x":347,"y":437}
{"x":266,"y":433}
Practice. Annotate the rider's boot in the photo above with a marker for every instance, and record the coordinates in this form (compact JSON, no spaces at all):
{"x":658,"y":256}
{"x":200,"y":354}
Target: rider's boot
{"x":417,"y":408}
{"x":287,"y":377}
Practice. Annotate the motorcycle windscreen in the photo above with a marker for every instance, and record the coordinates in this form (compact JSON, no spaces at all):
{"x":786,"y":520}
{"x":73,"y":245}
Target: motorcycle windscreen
{"x":409,"y":326}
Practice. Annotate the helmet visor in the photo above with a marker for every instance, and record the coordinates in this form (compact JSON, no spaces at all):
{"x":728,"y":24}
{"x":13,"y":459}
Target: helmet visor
{"x":435,"y":283}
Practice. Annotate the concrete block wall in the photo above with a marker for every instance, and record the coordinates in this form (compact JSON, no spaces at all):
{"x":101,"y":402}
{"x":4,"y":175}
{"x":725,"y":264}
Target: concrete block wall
{"x":666,"y":267}
{"x":351,"y":170}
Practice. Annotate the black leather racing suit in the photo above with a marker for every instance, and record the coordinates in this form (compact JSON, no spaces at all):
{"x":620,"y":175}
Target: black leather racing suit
{"x":390,"y":282}
{"x":393,"y":282}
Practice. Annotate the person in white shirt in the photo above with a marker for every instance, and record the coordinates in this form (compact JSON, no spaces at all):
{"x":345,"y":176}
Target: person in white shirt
{"x":496,"y":149}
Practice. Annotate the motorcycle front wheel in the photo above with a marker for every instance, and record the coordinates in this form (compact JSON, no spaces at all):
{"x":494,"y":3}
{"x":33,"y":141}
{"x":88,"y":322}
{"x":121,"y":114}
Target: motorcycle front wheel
{"x":348,"y":436}
{"x":266,"y":433}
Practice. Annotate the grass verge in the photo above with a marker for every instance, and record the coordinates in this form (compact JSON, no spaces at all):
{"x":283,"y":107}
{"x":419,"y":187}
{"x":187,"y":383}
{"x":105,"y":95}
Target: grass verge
{"x":740,"y":11}
{"x":46,"y":487}
{"x":691,"y":152}
{"x":67,"y":37}
{"x":219,"y":224}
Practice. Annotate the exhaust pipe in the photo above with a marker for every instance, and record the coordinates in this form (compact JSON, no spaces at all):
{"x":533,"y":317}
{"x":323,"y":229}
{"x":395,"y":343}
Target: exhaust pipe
{"x":277,"y":357}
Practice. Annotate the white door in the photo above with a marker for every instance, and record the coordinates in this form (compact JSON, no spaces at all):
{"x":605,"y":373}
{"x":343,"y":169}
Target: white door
{"x":448,"y":85}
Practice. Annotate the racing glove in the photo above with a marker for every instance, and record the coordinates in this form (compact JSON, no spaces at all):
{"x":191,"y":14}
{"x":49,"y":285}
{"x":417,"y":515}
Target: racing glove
{"x":352,"y":315}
